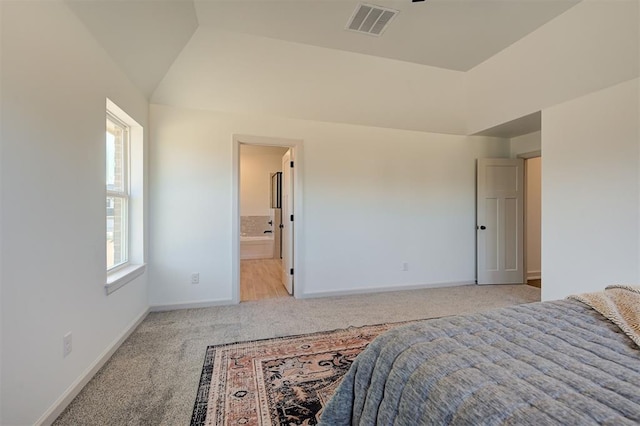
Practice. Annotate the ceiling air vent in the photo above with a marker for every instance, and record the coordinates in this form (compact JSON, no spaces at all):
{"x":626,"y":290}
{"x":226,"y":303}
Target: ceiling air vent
{"x":370,"y":19}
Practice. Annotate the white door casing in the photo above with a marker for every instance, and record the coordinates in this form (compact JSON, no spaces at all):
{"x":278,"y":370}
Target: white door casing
{"x":500,"y":221}
{"x":287,"y":223}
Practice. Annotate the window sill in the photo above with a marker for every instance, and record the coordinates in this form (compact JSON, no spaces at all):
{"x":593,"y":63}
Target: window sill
{"x":119,"y":278}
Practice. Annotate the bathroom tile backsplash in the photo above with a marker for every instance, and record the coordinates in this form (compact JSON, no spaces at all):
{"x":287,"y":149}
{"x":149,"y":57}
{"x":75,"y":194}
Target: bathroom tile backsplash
{"x":254,"y":226}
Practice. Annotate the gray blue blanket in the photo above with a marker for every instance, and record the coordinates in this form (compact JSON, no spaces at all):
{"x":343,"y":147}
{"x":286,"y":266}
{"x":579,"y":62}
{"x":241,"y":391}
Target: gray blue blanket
{"x":537,"y":364}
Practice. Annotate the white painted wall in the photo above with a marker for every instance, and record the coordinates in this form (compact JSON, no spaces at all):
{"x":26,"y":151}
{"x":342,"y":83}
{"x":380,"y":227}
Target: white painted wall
{"x":373,"y":198}
{"x":1,"y":238}
{"x":55,"y":79}
{"x":257,"y":164}
{"x":591,"y":46}
{"x":526,"y":143}
{"x":533,"y":217}
{"x":590,"y":198}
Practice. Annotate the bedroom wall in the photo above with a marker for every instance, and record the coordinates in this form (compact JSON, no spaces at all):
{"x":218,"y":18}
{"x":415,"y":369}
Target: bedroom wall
{"x":55,"y":79}
{"x":1,"y":238}
{"x":591,"y":46}
{"x":526,"y":143}
{"x":373,"y":198}
{"x":590,"y":198}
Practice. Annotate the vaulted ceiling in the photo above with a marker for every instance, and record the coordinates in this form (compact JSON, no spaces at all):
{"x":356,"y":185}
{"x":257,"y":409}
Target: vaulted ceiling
{"x":145,"y":37}
{"x":142,"y":37}
{"x":295,"y":58}
{"x":451,"y":34}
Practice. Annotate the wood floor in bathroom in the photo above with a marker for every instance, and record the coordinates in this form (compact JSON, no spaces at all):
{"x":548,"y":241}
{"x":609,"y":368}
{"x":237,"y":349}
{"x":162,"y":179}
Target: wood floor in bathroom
{"x":261,"y":279}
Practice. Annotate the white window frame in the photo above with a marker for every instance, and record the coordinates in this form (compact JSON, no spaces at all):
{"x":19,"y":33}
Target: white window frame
{"x":124,"y":195}
{"x":120,"y":275}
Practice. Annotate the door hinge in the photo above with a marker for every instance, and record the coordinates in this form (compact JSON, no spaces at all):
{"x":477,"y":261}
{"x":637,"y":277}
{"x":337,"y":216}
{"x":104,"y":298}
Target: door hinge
{"x":291,"y":218}
{"x":291,"y":271}
{"x":291,"y":164}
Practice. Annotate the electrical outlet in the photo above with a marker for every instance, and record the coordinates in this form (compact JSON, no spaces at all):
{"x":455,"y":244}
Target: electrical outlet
{"x":66,"y":344}
{"x":405,"y":266}
{"x":195,"y":278}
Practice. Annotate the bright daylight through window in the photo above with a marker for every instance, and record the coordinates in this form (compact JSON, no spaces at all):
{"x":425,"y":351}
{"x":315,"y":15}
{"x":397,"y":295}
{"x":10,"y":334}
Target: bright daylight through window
{"x":117,"y":149}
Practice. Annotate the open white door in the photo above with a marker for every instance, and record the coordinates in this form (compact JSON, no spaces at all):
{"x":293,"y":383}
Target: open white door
{"x":287,"y":221}
{"x":500,"y":221}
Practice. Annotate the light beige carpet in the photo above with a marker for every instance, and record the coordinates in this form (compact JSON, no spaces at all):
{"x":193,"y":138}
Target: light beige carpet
{"x":153,"y":377}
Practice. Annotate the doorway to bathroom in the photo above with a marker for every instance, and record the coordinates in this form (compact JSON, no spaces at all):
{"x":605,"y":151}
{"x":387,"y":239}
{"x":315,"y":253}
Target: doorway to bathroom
{"x":264,"y":218}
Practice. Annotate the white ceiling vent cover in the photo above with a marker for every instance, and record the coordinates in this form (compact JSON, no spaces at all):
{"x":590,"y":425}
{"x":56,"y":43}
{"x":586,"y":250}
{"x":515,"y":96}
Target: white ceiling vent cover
{"x":370,"y":19}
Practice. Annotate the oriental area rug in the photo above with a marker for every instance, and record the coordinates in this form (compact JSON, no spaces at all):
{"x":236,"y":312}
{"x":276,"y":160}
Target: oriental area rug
{"x":281,"y":381}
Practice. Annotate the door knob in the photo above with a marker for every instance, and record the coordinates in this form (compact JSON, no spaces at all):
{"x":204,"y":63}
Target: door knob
{"x":483,"y":227}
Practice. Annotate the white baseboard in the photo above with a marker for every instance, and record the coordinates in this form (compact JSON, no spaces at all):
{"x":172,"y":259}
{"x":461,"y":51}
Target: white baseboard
{"x":534,"y":275}
{"x":382,"y":289}
{"x":72,"y":391}
{"x":191,"y":305}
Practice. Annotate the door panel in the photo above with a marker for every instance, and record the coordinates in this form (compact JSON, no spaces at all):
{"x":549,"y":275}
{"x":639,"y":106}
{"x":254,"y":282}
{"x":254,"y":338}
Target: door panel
{"x":500,"y":219}
{"x":511,"y":234}
{"x":287,"y":229}
{"x":491,"y":233}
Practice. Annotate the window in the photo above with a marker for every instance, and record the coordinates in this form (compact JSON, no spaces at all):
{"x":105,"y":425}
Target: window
{"x":125,"y":200}
{"x":117,"y":147}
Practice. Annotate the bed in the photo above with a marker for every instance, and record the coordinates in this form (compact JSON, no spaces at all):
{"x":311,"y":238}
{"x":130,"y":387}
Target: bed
{"x":560,"y":362}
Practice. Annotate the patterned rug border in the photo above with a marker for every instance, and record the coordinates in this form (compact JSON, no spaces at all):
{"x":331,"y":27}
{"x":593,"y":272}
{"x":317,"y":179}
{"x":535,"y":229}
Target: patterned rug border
{"x":198,"y":416}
